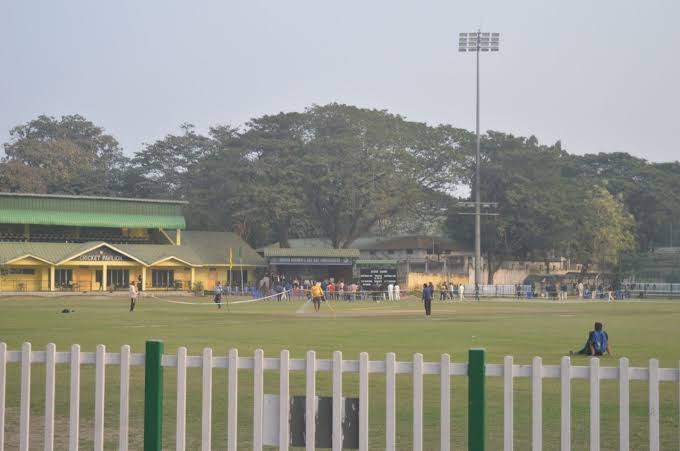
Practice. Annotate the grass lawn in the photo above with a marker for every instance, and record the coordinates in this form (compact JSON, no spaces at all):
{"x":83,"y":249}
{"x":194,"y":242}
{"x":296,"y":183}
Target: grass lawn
{"x":638,"y":330}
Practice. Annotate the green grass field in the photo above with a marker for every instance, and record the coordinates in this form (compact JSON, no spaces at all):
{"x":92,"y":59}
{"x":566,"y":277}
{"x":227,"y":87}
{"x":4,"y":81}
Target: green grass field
{"x":638,"y":330}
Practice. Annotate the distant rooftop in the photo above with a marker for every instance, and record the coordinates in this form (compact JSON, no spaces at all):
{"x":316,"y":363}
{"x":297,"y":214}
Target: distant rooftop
{"x":367,"y":243}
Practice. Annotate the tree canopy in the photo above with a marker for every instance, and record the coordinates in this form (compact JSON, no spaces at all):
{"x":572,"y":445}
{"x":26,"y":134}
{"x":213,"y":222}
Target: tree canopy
{"x":341,"y":171}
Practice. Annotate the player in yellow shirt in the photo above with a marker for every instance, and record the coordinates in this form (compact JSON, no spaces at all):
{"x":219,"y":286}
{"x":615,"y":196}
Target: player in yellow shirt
{"x":317,"y":295}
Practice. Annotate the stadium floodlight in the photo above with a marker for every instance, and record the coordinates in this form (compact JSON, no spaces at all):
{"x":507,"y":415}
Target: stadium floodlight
{"x":478,"y":42}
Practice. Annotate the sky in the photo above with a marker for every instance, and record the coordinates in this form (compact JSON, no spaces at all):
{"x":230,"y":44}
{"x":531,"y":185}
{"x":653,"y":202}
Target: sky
{"x":601,"y":76}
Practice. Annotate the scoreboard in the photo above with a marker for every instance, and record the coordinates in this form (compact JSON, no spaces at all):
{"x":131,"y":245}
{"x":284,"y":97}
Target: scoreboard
{"x":377,"y":276}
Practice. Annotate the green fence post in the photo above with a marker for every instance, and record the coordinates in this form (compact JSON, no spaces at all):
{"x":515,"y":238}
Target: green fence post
{"x":153,"y":396}
{"x":476,"y":400}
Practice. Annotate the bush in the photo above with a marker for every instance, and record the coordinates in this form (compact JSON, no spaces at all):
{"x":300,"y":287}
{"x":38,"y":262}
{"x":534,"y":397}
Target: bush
{"x":198,"y":288}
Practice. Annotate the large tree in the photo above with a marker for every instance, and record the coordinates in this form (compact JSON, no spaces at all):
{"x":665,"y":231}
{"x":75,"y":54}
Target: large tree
{"x":649,"y":191}
{"x":535,"y":201}
{"x":364,"y":166}
{"x":272,"y":175}
{"x":164,"y":168}
{"x":69,"y":155}
{"x":604,"y":229}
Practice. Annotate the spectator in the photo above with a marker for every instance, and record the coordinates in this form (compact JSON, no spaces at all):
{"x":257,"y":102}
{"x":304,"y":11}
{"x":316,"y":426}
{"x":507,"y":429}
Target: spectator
{"x":597,"y":343}
{"x":331,"y":289}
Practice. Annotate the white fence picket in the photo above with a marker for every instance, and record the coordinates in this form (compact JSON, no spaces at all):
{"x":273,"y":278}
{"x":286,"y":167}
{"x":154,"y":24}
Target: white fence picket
{"x":124,"y":416}
{"x":3,"y":387}
{"x":337,"y":401}
{"x":363,"y":401}
{"x":99,"y":391}
{"x":418,"y":402}
{"x":537,"y":404}
{"x":508,"y":404}
{"x":284,"y":400}
{"x":181,"y":414}
{"x":624,"y":405}
{"x":232,"y":402}
{"x":206,"y":400}
{"x":310,"y":401}
{"x":258,"y":398}
{"x":25,"y":404}
{"x":565,"y":404}
{"x":390,"y":402}
{"x":74,"y":401}
{"x":653,"y":405}
{"x":445,"y":402}
{"x":337,"y":366}
{"x":595,"y":404}
{"x":50,"y":374}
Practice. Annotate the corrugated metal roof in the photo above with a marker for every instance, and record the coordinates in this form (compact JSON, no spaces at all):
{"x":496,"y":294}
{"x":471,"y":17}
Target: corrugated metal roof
{"x":70,"y":196}
{"x":90,"y":211}
{"x":311,"y":252}
{"x":86,"y":219}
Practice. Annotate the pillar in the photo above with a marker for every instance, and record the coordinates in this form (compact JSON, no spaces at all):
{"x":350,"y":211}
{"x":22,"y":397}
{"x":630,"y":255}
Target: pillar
{"x":27,"y":231}
{"x":193,"y":277}
{"x":476,"y":400}
{"x":52,"y":278}
{"x":104,"y":277}
{"x":178,"y":239}
{"x":143,"y":277}
{"x":153,"y":396}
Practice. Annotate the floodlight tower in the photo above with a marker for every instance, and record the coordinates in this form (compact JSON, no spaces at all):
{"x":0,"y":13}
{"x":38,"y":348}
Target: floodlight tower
{"x":478,"y":42}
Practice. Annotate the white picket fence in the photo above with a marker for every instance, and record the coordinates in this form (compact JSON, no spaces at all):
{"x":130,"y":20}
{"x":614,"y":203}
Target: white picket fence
{"x":389,"y":367}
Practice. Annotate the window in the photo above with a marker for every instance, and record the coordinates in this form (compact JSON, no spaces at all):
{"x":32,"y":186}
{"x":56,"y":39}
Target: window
{"x":372,"y":252}
{"x":118,"y":278}
{"x":391,"y":251}
{"x":115,"y":278}
{"x":236,"y":278}
{"x":409,"y":251}
{"x":63,"y":277}
{"x":162,"y":278}
{"x":17,"y":271}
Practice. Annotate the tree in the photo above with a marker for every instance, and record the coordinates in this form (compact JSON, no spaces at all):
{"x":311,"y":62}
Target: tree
{"x":163,"y":169}
{"x":535,"y":201}
{"x":604,"y":230}
{"x":363,"y":166}
{"x":70,"y":155}
{"x":272,"y":175}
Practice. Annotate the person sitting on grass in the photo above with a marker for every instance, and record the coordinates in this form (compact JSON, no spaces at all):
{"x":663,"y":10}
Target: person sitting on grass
{"x":597,"y":343}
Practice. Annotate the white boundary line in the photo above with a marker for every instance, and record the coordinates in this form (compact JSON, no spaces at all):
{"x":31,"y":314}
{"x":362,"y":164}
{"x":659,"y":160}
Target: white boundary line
{"x":247,"y":301}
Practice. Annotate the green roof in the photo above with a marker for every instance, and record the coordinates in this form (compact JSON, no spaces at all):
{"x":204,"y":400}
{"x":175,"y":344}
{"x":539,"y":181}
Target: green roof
{"x":197,"y":249}
{"x":377,"y":263}
{"x":310,"y":252}
{"x":84,"y":211}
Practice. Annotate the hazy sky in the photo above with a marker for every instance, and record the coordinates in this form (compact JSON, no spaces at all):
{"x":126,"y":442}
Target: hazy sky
{"x":602,"y":75}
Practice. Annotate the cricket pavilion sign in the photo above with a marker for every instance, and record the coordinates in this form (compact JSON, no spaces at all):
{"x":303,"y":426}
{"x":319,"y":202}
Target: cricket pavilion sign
{"x":102,"y":254}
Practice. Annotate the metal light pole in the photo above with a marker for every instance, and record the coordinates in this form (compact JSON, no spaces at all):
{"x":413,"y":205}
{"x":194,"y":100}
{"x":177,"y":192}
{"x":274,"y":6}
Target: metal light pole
{"x":478,"y":42}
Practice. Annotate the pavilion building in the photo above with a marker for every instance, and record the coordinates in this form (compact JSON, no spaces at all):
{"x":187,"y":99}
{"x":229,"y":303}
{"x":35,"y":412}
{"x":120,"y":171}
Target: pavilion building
{"x":84,"y":243}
